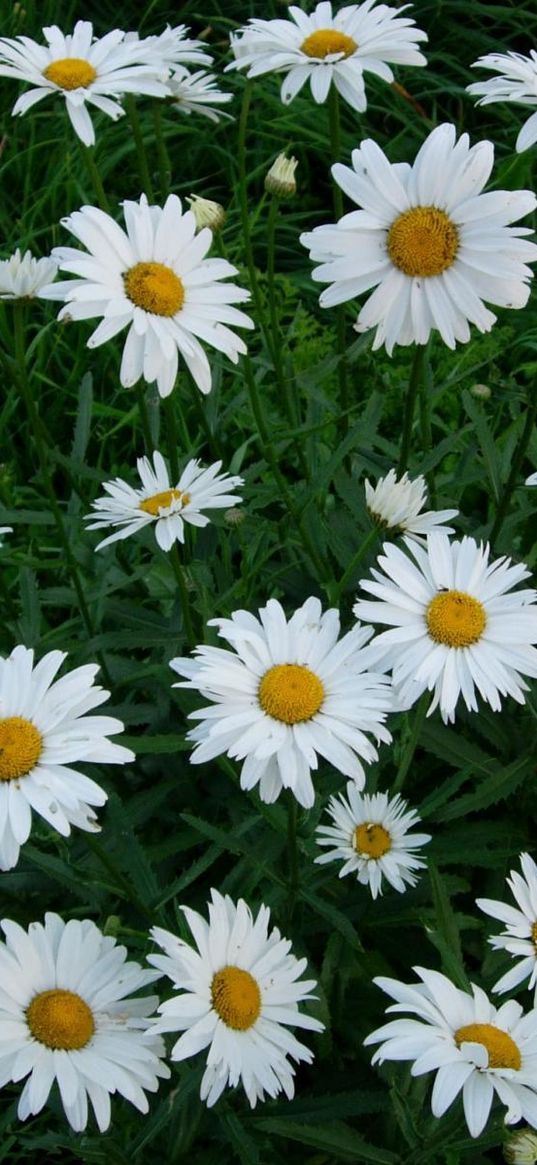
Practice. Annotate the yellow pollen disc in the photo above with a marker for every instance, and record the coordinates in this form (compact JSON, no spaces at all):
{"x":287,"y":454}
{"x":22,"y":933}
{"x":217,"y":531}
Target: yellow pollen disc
{"x":326,"y":41}
{"x":162,"y":501}
{"x":455,"y":618}
{"x":155,"y":288}
{"x":423,"y":241}
{"x":21,"y":745}
{"x":373,"y":840}
{"x":534,"y":935}
{"x":60,"y":1019}
{"x":291,"y":693}
{"x":502,"y":1050}
{"x":236,"y":998}
{"x":70,"y":73}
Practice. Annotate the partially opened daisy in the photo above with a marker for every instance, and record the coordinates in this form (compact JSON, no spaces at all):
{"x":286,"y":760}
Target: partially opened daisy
{"x":240,"y":992}
{"x":159,"y":503}
{"x":520,"y":935}
{"x":288,"y":691}
{"x":328,"y":48}
{"x":370,"y":835}
{"x":67,"y":1017}
{"x":173,"y":49}
{"x":456,"y":623}
{"x":517,"y":82}
{"x":22,"y":276}
{"x":198,"y":93}
{"x":472,"y":1046}
{"x":44,"y":729}
{"x":154,"y":279}
{"x":432,"y":245}
{"x":396,"y":503}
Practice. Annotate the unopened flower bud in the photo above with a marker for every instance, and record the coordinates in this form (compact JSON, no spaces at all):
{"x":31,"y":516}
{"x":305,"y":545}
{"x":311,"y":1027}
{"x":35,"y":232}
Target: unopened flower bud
{"x":280,"y":179}
{"x":234,"y":516}
{"x":481,"y":391}
{"x":207,"y":213}
{"x":521,"y":1148}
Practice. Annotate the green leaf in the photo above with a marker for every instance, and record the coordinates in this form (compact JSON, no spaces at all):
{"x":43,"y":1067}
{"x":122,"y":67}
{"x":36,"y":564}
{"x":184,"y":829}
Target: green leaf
{"x":446,"y":937}
{"x":496,"y":788}
{"x":333,"y":916}
{"x":83,"y":418}
{"x":486,"y":442}
{"x":337,"y":1139}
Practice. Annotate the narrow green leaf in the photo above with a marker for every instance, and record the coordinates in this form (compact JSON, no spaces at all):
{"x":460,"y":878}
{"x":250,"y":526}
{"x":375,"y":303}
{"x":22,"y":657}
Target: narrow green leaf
{"x":446,"y":938}
{"x":337,"y":1139}
{"x":496,"y":788}
{"x":486,"y":442}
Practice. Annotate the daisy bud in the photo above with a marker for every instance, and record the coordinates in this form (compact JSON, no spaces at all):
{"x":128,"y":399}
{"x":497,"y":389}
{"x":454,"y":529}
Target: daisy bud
{"x":234,"y":517}
{"x":481,"y":391}
{"x":280,"y":179}
{"x":207,"y":213}
{"x":521,"y":1148}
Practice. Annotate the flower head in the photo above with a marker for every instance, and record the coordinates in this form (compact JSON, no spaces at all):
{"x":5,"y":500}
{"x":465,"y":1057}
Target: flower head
{"x":521,"y":1148}
{"x":280,"y":179}
{"x":198,"y":93}
{"x":520,"y":935}
{"x":517,"y":82}
{"x":532,"y":479}
{"x":172,"y":49}
{"x":207,"y":213}
{"x":22,"y":277}
{"x":395,"y":503}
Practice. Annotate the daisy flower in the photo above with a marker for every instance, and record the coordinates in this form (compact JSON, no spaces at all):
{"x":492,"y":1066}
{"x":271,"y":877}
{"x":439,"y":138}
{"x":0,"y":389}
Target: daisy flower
{"x":67,"y":1018}
{"x":22,"y":277}
{"x":171,"y":48}
{"x":328,"y":48}
{"x":395,"y":504}
{"x":426,"y":238}
{"x":158,"y":502}
{"x":370,"y":836}
{"x":532,"y":479}
{"x":43,"y":730}
{"x":288,"y":691}
{"x":520,"y":936}
{"x":83,"y":69}
{"x":240,"y":991}
{"x":457,"y":624}
{"x":468,"y":1042}
{"x":198,"y":93}
{"x":517,"y":82}
{"x":6,"y":530}
{"x":152,"y":278}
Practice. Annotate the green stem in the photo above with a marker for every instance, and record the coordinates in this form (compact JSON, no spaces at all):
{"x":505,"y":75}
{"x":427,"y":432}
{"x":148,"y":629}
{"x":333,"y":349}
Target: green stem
{"x":425,"y":400}
{"x":171,"y":438}
{"x":164,"y":167}
{"x":369,"y":541}
{"x":412,"y":743}
{"x":144,"y":418}
{"x":337,"y":195}
{"x":119,"y":878}
{"x":520,"y":450}
{"x":94,"y":176}
{"x":143,"y":168}
{"x":288,"y":397}
{"x":292,"y":850}
{"x":335,"y":145}
{"x":416,"y":374}
{"x":183,"y":595}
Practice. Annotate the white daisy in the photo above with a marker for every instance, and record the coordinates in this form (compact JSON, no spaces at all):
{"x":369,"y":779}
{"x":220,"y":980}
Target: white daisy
{"x":172,"y":48}
{"x":517,"y":82}
{"x":288,"y":691}
{"x":468,"y":1042}
{"x":22,"y":276}
{"x":520,"y":936}
{"x":65,"y":1018}
{"x":395,"y":504}
{"x":158,"y":502}
{"x":43,"y":730}
{"x":532,"y":479}
{"x":6,"y":529}
{"x":457,"y":625}
{"x":370,"y":836}
{"x":240,"y":992}
{"x":325,"y":48}
{"x":428,"y":240}
{"x":154,"y":279}
{"x":83,"y":69}
{"x":198,"y":93}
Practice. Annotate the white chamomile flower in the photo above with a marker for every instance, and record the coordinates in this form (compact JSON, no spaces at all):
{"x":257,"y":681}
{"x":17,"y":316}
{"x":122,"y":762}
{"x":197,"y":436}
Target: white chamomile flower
{"x":66,"y":1018}
{"x":158,"y":502}
{"x":532,"y":479}
{"x":328,"y":48}
{"x":43,"y":730}
{"x":6,"y":530}
{"x":517,"y":82}
{"x":83,"y":69}
{"x":456,"y":624}
{"x":471,"y":1045}
{"x":395,"y":504}
{"x":154,"y":279}
{"x":171,"y":48}
{"x":198,"y":93}
{"x":430,"y":243}
{"x":240,"y":992}
{"x":287,"y":692}
{"x":22,"y":276}
{"x":520,"y":936}
{"x":370,"y":836}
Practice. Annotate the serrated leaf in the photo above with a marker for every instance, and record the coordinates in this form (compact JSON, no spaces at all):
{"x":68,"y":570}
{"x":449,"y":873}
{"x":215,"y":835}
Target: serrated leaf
{"x":337,"y":1139}
{"x":496,"y":788}
{"x":486,"y":442}
{"x":446,"y":937}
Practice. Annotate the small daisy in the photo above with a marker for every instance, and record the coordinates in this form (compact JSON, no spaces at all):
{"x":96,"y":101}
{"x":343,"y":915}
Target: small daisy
{"x":198,"y":93}
{"x":157,"y":502}
{"x":431,"y":244}
{"x":457,"y":625}
{"x":43,"y":730}
{"x":22,"y":277}
{"x":395,"y":504}
{"x":520,"y":937}
{"x":288,"y":691}
{"x":171,"y":48}
{"x":325,"y":48}
{"x":532,"y":479}
{"x":65,"y":1018}
{"x":152,"y":278}
{"x":240,"y":992}
{"x":468,"y":1042}
{"x":370,"y":835}
{"x":83,"y":69}
{"x":517,"y":82}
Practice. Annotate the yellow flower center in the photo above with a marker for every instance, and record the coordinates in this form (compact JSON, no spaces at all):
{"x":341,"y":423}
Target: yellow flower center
{"x":290,"y":692}
{"x":455,"y":618}
{"x":236,"y":998}
{"x":326,"y":41}
{"x":70,"y":73}
{"x":21,"y":745}
{"x":162,"y":501}
{"x":502,"y":1050}
{"x":371,"y":840}
{"x":534,"y":935}
{"x":60,"y":1019}
{"x":423,"y":241}
{"x":155,"y":288}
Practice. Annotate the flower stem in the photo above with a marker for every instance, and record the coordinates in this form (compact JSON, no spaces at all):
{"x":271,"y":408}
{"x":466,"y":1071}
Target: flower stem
{"x":416,"y":375}
{"x":143,"y":168}
{"x":290,"y":403}
{"x":337,"y":195}
{"x":362,"y":550}
{"x":425,"y":398}
{"x":164,"y":166}
{"x":292,"y":851}
{"x":520,"y":450}
{"x":177,"y":568}
{"x":172,"y":439}
{"x":94,"y":176}
{"x":144,"y":418}
{"x":412,"y":743}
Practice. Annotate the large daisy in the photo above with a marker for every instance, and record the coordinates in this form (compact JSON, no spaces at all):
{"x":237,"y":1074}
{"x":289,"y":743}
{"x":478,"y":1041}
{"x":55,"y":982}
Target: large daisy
{"x":67,"y":1017}
{"x":328,"y":48}
{"x":520,"y":936}
{"x":154,"y":279}
{"x":517,"y":82}
{"x":44,"y":728}
{"x":396,"y":504}
{"x":456,"y":623}
{"x":287,"y":692}
{"x":428,"y":240}
{"x":240,"y":992}
{"x":22,"y":276}
{"x":471,"y":1045}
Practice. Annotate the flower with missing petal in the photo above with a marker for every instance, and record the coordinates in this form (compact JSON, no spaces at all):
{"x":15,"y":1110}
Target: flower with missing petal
{"x":198,"y":93}
{"x":517,"y":82}
{"x":520,"y":936}
{"x":22,"y":277}
{"x":395,"y":504}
